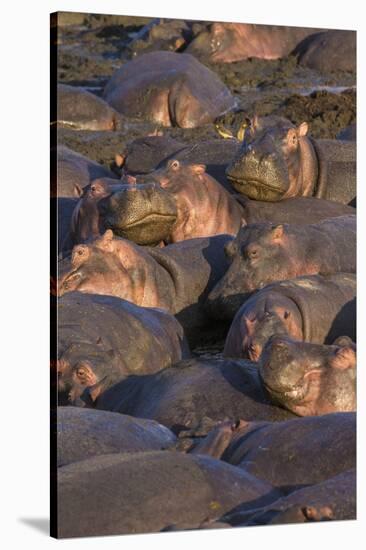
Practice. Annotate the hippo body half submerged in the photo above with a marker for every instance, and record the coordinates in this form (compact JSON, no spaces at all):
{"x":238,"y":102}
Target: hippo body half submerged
{"x":263,"y":253}
{"x":79,"y":109}
{"x":277,"y":161}
{"x":316,"y":309}
{"x":229,"y":42}
{"x":102,"y":339}
{"x":289,"y":454}
{"x":333,"y":50}
{"x":192,"y":393}
{"x":332,"y":499}
{"x":309,"y":379}
{"x":83,"y":433}
{"x":169,"y":88}
{"x":155,"y":491}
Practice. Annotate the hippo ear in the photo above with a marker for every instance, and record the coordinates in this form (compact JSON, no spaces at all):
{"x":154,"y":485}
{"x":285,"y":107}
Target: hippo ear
{"x":78,"y":191}
{"x":106,"y":238}
{"x":277,"y":232}
{"x":119,"y":160}
{"x":344,"y":358}
{"x":302,"y":129}
{"x":199,"y":169}
{"x":217,"y":28}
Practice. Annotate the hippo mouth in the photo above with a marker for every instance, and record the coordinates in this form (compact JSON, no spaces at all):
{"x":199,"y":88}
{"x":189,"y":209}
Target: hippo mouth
{"x":256,"y":189}
{"x":150,"y":219}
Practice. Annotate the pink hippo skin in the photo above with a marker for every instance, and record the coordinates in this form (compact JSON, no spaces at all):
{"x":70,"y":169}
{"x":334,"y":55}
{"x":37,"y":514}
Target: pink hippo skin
{"x":204,"y":207}
{"x":228,"y":42}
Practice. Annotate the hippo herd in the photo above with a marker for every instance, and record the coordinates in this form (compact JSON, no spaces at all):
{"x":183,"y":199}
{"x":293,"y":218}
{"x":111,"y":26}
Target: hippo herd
{"x":204,"y":298}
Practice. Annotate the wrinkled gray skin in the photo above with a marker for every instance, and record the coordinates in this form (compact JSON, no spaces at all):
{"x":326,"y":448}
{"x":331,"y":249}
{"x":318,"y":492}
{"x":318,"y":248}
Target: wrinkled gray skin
{"x":263,"y":253}
{"x":74,"y":172}
{"x":83,"y":433}
{"x":144,"y":214}
{"x":309,"y":379}
{"x":277,"y":160}
{"x":169,"y":88}
{"x":332,"y":499}
{"x":155,"y":490}
{"x":299,"y":210}
{"x":333,"y":50}
{"x":349,"y":133}
{"x":314,"y":309}
{"x":81,"y":110}
{"x":291,"y":454}
{"x":193,"y":394}
{"x":146,"y":154}
{"x":102,"y":339}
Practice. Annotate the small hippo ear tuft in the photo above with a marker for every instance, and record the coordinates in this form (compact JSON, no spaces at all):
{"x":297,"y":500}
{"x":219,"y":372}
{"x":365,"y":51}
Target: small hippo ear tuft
{"x":217,"y":28}
{"x":302,"y":129}
{"x":344,"y":358}
{"x":119,"y":160}
{"x":108,"y":235}
{"x":277,"y":231}
{"x":199,"y":169}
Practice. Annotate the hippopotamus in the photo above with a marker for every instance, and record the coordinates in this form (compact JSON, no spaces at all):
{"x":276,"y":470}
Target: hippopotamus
{"x":176,"y":278}
{"x":204,"y":207}
{"x":289,"y":454}
{"x":314,"y":308}
{"x":332,"y":50}
{"x":144,"y":155}
{"x":169,"y":88}
{"x":332,"y":499}
{"x":150,"y":492}
{"x":309,"y":379}
{"x":145,"y":214}
{"x":79,"y":109}
{"x":349,"y":133}
{"x":163,"y":35}
{"x":83,"y":433}
{"x":228,"y":42}
{"x":73,"y":172}
{"x":178,"y":202}
{"x":193,"y":395}
{"x":103,"y":339}
{"x":263,"y":253}
{"x":278,"y":160}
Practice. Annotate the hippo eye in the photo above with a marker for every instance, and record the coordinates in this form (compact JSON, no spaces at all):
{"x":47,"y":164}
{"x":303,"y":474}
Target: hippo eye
{"x":174,"y":164}
{"x":253,"y":253}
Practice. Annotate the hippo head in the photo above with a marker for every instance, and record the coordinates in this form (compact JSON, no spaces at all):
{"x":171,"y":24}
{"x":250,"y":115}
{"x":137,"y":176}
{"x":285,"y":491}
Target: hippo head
{"x":83,"y":370}
{"x":213,"y":42}
{"x":144,"y":214}
{"x":175,"y":173}
{"x":259,"y":255}
{"x":308,"y":378}
{"x":104,"y":266}
{"x":259,"y":318}
{"x":269,"y":165}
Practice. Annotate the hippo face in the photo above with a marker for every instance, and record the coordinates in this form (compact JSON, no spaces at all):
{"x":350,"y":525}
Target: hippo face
{"x":176,"y":173}
{"x":82,"y":367}
{"x":258,"y":257}
{"x":309,"y":379}
{"x":144,"y":214}
{"x":95,"y":268}
{"x":267,"y":167}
